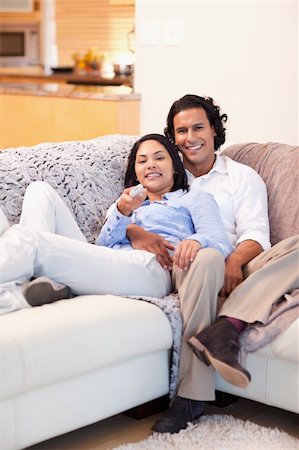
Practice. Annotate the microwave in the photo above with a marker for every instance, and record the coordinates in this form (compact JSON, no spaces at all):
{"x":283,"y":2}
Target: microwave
{"x":19,"y":45}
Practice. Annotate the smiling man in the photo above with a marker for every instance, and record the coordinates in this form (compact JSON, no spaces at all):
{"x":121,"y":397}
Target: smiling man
{"x":195,"y":137}
{"x":253,"y":277}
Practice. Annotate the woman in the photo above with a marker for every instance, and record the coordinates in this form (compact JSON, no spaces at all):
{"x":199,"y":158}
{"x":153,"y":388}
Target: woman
{"x":48,"y":241}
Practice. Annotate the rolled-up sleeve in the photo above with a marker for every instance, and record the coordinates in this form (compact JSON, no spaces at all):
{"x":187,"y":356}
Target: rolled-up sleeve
{"x":113,"y":232}
{"x":210,"y":231}
{"x":251,"y":210}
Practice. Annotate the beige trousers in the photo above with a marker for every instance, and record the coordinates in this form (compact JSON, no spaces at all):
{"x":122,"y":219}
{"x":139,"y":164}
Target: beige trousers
{"x":48,"y":242}
{"x":198,"y":291}
{"x":268,"y":277}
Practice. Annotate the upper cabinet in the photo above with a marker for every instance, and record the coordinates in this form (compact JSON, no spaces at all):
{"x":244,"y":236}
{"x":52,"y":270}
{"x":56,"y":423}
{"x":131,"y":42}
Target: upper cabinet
{"x":20,"y":11}
{"x":96,"y":25}
{"x":16,"y":5}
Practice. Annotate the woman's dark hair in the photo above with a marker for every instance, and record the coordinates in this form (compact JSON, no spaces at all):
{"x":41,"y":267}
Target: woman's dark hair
{"x":213,"y":113}
{"x":180,"y":177}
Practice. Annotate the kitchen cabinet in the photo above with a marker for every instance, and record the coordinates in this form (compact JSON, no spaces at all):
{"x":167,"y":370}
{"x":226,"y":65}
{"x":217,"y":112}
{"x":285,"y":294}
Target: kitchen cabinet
{"x":31,"y":114}
{"x":16,"y":5}
{"x":122,"y":2}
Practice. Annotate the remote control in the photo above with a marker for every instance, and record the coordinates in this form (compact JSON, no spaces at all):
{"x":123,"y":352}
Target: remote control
{"x":137,"y":190}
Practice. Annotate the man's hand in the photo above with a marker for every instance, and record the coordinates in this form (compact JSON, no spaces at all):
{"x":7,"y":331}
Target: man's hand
{"x":145,"y":240}
{"x":233,"y":274}
{"x":185,"y":253}
{"x":243,"y":254}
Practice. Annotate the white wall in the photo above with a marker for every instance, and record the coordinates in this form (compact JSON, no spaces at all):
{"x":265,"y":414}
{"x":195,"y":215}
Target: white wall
{"x":243,"y":54}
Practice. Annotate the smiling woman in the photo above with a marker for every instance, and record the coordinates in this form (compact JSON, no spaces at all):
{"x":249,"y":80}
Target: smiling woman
{"x":154,"y":169}
{"x":160,"y":143}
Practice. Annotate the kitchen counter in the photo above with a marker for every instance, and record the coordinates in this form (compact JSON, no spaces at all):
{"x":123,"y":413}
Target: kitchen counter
{"x":31,"y":113}
{"x":70,"y":91}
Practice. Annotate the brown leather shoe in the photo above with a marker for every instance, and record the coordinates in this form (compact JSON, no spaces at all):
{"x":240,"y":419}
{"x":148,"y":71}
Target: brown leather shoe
{"x":218,"y":345}
{"x":181,"y":412}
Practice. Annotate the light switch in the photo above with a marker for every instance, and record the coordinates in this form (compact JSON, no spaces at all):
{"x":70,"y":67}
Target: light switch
{"x":173,"y":32}
{"x":149,"y":32}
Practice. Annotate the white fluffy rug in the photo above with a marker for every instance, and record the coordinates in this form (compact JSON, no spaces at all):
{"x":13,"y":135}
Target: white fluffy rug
{"x":219,"y":432}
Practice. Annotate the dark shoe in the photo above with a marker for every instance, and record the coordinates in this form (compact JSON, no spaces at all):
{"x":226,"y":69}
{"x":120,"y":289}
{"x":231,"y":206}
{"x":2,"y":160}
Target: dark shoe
{"x":181,"y":412}
{"x":43,"y":290}
{"x":218,"y":345}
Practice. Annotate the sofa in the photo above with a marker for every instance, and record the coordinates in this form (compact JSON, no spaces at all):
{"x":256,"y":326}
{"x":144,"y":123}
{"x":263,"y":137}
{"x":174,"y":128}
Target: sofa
{"x":77,"y":361}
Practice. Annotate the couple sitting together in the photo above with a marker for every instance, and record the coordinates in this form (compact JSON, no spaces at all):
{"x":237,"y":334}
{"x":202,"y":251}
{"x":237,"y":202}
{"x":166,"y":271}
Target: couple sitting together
{"x":199,"y":226}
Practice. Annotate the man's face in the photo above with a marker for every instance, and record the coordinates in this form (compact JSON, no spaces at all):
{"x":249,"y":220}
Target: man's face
{"x":195,"y":138}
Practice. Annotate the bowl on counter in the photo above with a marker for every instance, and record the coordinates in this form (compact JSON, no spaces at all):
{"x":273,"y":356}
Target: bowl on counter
{"x":62,"y":69}
{"x":123,"y":69}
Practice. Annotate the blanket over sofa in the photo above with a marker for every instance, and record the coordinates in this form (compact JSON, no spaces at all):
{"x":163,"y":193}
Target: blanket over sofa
{"x":89,"y":175}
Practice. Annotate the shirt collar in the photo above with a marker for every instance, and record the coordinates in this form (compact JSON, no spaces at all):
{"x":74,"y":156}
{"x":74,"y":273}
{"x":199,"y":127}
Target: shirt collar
{"x":174,"y":194}
{"x":219,"y":166}
{"x":169,"y":195}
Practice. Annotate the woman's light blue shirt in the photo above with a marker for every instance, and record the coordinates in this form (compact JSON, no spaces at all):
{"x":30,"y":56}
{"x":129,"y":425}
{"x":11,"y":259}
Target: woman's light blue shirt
{"x":179,"y":215}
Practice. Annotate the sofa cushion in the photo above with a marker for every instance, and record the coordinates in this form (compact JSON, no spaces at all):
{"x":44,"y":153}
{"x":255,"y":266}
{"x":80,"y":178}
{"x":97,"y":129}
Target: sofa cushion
{"x":56,"y":342}
{"x":88,"y":174}
{"x":286,"y":346}
{"x":278,"y":166}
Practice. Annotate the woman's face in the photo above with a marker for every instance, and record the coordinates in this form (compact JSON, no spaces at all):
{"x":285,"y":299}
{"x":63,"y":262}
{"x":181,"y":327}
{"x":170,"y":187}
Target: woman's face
{"x":154,"y":169}
{"x":195,"y":138}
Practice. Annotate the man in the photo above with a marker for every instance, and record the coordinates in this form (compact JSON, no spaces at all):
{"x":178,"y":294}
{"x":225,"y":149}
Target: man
{"x":254,"y":275}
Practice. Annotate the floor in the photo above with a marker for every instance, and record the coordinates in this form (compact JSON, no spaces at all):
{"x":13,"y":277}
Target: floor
{"x":121,"y":429}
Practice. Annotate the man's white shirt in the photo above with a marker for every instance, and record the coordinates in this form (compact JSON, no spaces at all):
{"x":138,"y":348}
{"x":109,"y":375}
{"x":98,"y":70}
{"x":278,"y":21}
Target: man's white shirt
{"x":241,"y":196}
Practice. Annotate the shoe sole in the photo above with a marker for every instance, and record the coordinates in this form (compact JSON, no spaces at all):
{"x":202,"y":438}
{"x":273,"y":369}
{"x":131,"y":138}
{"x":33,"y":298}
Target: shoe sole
{"x":228,"y":373}
{"x":162,"y":430}
{"x":43,"y":293}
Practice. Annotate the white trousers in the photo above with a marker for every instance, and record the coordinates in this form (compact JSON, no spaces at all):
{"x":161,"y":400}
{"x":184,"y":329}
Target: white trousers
{"x":11,"y":296}
{"x":48,"y":242}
